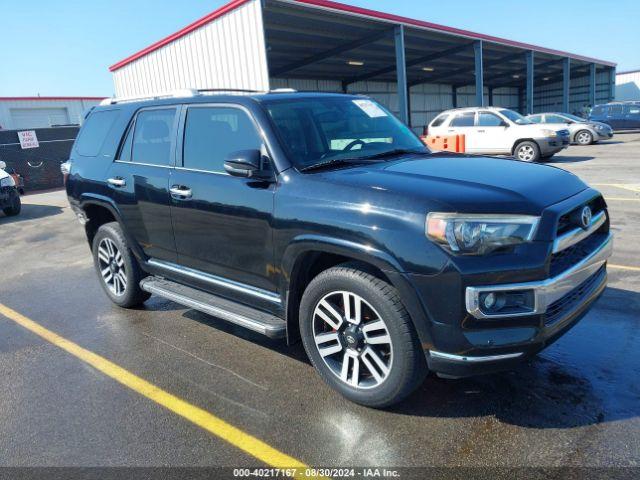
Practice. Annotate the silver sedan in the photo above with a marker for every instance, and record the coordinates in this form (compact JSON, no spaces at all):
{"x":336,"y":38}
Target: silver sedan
{"x":582,"y":131}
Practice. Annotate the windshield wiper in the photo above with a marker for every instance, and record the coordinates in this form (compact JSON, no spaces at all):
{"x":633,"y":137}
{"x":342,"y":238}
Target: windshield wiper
{"x":334,"y":162}
{"x":394,"y":152}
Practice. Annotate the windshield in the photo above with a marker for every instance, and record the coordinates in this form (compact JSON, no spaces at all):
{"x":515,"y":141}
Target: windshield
{"x":575,"y":118}
{"x":515,"y":117}
{"x":318,"y":130}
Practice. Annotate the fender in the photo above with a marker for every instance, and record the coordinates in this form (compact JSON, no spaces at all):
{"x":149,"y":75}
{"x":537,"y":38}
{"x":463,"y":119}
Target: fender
{"x":108,"y":203}
{"x":385,"y":262}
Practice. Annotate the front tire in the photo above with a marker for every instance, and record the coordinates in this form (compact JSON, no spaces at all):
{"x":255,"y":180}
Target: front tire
{"x":360,"y":338}
{"x":584,"y":137}
{"x":117,"y":267}
{"x":527,"y":151}
{"x":14,"y":207}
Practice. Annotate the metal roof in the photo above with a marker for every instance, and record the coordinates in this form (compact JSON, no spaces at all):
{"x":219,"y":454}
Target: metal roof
{"x":372,"y":22}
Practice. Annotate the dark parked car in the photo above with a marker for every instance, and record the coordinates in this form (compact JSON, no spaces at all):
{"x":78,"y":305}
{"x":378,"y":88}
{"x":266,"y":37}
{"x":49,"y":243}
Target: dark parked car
{"x":619,"y":115}
{"x":323,"y":217}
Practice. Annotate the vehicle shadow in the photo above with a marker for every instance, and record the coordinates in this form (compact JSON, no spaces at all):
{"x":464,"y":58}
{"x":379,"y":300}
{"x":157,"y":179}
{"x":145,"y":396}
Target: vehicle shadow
{"x":31,"y":212}
{"x":569,"y":159}
{"x":570,"y":384}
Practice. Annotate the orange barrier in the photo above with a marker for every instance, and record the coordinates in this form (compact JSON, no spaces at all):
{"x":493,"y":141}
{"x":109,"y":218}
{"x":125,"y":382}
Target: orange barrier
{"x":449,"y":143}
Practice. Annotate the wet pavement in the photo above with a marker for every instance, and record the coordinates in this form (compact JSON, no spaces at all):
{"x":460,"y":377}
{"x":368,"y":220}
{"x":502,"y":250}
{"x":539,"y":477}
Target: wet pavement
{"x":576,"y":404}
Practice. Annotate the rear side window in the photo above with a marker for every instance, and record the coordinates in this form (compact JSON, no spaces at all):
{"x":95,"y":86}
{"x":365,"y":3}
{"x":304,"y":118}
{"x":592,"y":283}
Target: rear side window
{"x":463,"y":120}
{"x":535,"y":118}
{"x":439,"y":120}
{"x":555,"y":119}
{"x":94,"y":132}
{"x":152,"y":137}
{"x":632,"y":109}
{"x":211,"y":134}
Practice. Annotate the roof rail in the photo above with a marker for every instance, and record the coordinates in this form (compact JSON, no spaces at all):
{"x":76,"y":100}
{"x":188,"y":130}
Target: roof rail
{"x":283,"y":90}
{"x":184,"y":93}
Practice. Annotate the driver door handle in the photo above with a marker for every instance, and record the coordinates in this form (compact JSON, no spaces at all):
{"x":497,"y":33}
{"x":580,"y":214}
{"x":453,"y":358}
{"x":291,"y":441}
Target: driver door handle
{"x":117,"y":182}
{"x":180,"y":192}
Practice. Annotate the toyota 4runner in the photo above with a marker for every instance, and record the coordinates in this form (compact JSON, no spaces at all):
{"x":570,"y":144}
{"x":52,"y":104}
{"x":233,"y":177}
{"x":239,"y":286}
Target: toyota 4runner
{"x":323,"y":217}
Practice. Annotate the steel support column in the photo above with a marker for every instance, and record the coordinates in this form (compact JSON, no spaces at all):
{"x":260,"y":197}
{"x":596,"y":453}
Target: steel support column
{"x":612,"y":84}
{"x":401,"y":73}
{"x":490,"y":96}
{"x":454,"y":96}
{"x":566,"y":84}
{"x":477,"y":48}
{"x":592,"y":85}
{"x":529,"y":56}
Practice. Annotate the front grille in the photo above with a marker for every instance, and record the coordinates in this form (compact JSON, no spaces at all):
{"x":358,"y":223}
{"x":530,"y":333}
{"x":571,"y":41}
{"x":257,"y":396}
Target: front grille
{"x":562,"y":306}
{"x":567,"y":258}
{"x":566,"y":224}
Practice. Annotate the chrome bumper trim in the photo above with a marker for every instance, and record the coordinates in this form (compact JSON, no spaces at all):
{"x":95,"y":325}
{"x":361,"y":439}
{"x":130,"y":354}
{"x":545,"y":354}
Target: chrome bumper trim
{"x":578,"y":234}
{"x":546,"y":291}
{"x":465,"y":359}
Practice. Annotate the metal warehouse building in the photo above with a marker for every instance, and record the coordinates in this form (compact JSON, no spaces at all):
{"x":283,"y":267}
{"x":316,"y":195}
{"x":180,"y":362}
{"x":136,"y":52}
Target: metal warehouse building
{"x":628,"y":86}
{"x":23,"y":113}
{"x":415,"y":68}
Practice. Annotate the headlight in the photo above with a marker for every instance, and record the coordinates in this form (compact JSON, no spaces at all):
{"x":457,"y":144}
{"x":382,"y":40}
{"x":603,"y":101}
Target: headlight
{"x":549,"y":133}
{"x":7,"y":182}
{"x":479,"y":234}
{"x":600,"y":127}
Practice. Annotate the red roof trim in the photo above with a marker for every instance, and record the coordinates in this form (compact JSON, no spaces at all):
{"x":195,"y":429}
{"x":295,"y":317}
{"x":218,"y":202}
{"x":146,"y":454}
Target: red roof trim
{"x":181,"y":33}
{"x":327,"y":4}
{"x":52,"y":98}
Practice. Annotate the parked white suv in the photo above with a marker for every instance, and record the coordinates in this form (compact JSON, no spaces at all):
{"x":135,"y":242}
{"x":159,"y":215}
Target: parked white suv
{"x":499,"y":131}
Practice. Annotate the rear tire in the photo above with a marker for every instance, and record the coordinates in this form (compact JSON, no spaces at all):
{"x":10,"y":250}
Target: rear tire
{"x":584,"y":137}
{"x":117,"y":267}
{"x":376,"y":340}
{"x":527,"y":151}
{"x":15,"y":207}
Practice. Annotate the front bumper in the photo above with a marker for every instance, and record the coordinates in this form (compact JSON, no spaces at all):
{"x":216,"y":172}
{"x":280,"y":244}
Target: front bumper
{"x":551,"y":145}
{"x":560,"y":302}
{"x":603,"y":135}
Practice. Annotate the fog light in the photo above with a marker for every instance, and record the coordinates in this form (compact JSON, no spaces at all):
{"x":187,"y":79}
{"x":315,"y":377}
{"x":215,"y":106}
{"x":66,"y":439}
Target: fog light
{"x":489,"y":301}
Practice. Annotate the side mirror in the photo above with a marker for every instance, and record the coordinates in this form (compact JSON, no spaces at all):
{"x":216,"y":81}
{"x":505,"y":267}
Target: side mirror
{"x":2,"y":165}
{"x":248,"y":164}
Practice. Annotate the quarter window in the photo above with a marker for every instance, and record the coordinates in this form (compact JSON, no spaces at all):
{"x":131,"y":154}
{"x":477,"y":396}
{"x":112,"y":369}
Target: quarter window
{"x":94,"y":132}
{"x":555,"y":119}
{"x":439,"y":120}
{"x":536,"y":118}
{"x":211,"y":134}
{"x":152,"y":137}
{"x":463,"y":120}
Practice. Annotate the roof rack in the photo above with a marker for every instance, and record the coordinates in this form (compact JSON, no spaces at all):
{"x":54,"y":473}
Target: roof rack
{"x":188,"y":93}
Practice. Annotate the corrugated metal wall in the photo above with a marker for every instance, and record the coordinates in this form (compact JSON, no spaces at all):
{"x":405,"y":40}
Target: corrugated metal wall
{"x":427,"y":100}
{"x":227,"y":53}
{"x":44,"y":112}
{"x":549,"y":97}
{"x":628,"y":86}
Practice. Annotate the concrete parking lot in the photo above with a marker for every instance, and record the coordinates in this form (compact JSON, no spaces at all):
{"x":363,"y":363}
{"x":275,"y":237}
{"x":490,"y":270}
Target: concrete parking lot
{"x":576,"y":404}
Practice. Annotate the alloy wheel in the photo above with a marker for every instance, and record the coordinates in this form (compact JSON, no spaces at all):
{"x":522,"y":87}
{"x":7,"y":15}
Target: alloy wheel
{"x":352,"y":339}
{"x":584,"y":138}
{"x":526,"y":153}
{"x":112,"y":267}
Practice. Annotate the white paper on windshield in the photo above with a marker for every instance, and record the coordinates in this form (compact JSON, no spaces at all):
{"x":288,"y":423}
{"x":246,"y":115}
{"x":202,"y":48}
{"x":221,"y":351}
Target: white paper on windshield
{"x":370,"y":108}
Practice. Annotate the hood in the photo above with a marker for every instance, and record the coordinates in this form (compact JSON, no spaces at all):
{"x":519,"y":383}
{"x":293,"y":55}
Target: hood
{"x":470,"y":184}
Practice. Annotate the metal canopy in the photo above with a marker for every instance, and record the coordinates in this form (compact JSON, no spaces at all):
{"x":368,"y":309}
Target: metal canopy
{"x":309,"y":42}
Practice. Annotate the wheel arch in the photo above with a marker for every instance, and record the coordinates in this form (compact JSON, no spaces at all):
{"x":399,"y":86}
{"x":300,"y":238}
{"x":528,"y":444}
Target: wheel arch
{"x":309,"y":256}
{"x":519,"y":141}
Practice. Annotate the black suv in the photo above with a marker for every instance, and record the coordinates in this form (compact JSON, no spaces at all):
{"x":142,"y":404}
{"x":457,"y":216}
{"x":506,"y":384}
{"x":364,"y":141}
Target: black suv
{"x":322,"y":216}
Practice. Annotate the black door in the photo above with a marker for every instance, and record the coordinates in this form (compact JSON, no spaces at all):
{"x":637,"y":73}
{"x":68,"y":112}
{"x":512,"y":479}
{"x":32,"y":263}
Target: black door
{"x":139,"y":180}
{"x":222,"y":224}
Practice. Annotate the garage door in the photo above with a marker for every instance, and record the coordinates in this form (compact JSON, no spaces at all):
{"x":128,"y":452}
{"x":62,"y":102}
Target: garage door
{"x":24,"y":118}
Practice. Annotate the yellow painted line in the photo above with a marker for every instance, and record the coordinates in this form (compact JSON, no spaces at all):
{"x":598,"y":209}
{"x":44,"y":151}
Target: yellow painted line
{"x":621,"y":199}
{"x":632,"y":187}
{"x":623,"y":267}
{"x":203,"y":419}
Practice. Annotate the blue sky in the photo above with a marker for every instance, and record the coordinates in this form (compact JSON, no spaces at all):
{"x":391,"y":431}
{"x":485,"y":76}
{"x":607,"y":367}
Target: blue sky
{"x":65,"y":48}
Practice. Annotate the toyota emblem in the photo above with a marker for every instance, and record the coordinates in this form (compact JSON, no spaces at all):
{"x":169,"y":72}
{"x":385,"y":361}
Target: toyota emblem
{"x":585,"y":217}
